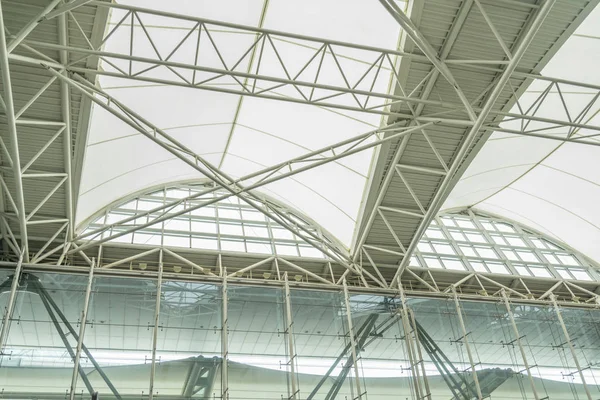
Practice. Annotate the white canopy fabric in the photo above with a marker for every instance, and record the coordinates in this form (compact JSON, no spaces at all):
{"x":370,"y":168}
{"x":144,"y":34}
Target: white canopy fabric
{"x":549,"y":185}
{"x":238,"y":135}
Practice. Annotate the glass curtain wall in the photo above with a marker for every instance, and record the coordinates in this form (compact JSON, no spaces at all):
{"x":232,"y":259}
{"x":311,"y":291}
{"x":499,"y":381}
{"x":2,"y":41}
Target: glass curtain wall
{"x":332,"y":346}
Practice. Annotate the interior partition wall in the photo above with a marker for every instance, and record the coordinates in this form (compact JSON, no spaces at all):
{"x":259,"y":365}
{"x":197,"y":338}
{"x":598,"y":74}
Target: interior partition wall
{"x":148,"y":337}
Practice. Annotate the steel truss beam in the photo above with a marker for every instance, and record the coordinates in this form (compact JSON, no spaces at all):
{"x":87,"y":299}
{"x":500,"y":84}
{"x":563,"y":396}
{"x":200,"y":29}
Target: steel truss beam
{"x":353,"y":96}
{"x":16,"y":120}
{"x":474,"y":132}
{"x":7,"y":104}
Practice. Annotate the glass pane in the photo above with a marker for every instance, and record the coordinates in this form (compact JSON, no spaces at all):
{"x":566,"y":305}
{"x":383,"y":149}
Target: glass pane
{"x":188,"y":347}
{"x":119,"y":335}
{"x":46,"y":319}
{"x":258,"y":359}
{"x":322,"y":343}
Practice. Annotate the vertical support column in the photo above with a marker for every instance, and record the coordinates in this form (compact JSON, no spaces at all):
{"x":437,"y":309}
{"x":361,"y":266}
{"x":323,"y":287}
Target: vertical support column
{"x":156,"y":321}
{"x":84,"y":312}
{"x":416,"y":348}
{"x":568,"y":339}
{"x":11,"y":304}
{"x":410,"y":350}
{"x":290,"y":338}
{"x":518,"y":340}
{"x":352,"y":340}
{"x":224,"y":339}
{"x":466,"y":342}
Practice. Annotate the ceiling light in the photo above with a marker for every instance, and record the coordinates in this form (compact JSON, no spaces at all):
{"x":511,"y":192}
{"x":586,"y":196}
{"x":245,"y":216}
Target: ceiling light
{"x":298,"y":278}
{"x":142,"y":266}
{"x":177,"y":268}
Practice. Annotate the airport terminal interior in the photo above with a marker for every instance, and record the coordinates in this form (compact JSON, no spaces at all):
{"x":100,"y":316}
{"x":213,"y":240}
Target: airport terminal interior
{"x":303,"y":200}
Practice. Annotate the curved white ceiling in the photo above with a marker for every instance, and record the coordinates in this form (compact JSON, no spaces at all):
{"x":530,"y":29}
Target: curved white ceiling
{"x":119,"y":161}
{"x":549,"y":185}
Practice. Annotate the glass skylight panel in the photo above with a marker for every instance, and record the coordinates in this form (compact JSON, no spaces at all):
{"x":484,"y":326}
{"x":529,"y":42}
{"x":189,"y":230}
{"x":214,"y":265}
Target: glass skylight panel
{"x":250,"y":215}
{"x":538,"y":243}
{"x":540,"y":272}
{"x":564,"y":273}
{"x":515,"y":241}
{"x":433,"y":262}
{"x":256,"y":231}
{"x":527,"y":256}
{"x":306,"y":251}
{"x":286,"y":250}
{"x":511,"y":246}
{"x":447,"y":221}
{"x":230,"y":229}
{"x":451,"y":263}
{"x":567,"y":259}
{"x":468,"y":251}
{"x":443,"y":248}
{"x":463,"y":223}
{"x":497,"y":268}
{"x":457,"y":235}
{"x":435,"y":234}
{"x":502,"y":227}
{"x":228,"y":213}
{"x":521,"y":270}
{"x":208,"y":244}
{"x":580,"y":274}
{"x":486,"y":252}
{"x":204,"y":227}
{"x":475,"y":238}
{"x":177,"y":224}
{"x":488,"y":226}
{"x":425,"y":247}
{"x":176,"y":241}
{"x":511,"y":255}
{"x":228,"y":225}
{"x":498,"y":239}
{"x":478,"y":266}
{"x":260,"y":248}
{"x":207,"y":211}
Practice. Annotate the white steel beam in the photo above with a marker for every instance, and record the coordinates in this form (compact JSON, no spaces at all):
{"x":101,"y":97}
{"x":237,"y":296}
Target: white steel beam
{"x":65,"y":104}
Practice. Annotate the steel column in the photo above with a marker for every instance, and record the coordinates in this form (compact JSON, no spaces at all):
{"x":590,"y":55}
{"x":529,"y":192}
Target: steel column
{"x":290,"y":337}
{"x":84,"y":312}
{"x":156,"y":321}
{"x":465,"y":340}
{"x":352,"y":341}
{"x":408,"y":341}
{"x":518,"y":340}
{"x":10,"y":305}
{"x":570,"y":343}
{"x":224,"y":339}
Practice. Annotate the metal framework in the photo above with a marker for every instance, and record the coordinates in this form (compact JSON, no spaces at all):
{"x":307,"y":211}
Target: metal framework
{"x":301,"y":83}
{"x":367,"y":320}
